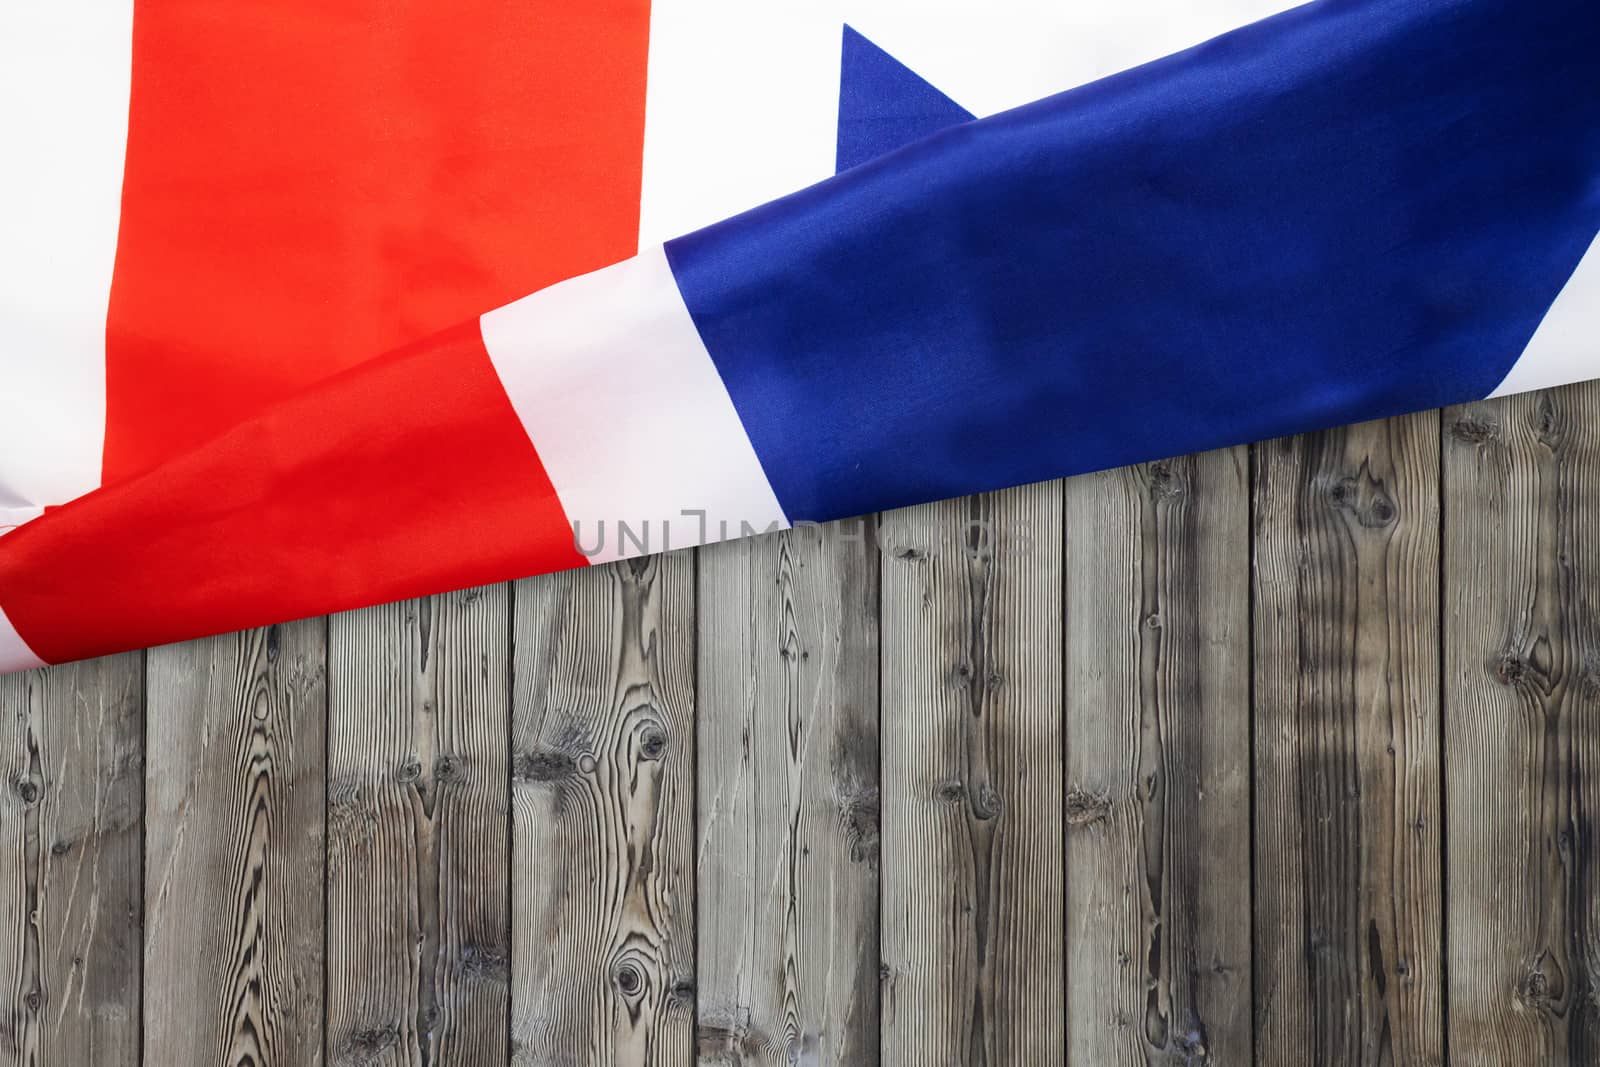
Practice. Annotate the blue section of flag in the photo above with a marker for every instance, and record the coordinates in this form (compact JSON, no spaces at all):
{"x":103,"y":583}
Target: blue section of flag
{"x":1350,"y":210}
{"x":883,"y":104}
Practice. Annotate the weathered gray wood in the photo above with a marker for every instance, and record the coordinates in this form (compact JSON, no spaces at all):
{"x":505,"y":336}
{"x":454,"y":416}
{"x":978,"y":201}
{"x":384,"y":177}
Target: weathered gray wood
{"x":972,"y":794}
{"x":234,"y":849}
{"x":1522,"y":714}
{"x":419,"y":937}
{"x":602,"y":869}
{"x":71,"y":793}
{"x":788,"y":798}
{"x":978,"y":921}
{"x":1158,"y":763}
{"x":1348,"y":913}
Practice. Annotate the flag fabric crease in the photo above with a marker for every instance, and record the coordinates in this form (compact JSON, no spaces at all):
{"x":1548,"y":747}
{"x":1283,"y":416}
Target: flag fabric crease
{"x":265,"y":353}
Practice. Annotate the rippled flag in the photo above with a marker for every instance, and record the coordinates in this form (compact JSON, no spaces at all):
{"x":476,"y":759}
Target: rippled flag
{"x":249,"y":371}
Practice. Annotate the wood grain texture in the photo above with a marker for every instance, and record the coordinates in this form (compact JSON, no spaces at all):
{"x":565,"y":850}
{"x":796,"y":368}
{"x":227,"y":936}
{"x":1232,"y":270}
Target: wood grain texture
{"x":1158,"y":763}
{"x":1099,"y":844}
{"x":419,"y":924}
{"x":234,"y":849}
{"x":788,"y":798}
{"x":1348,"y":912}
{"x":1522,"y":704}
{"x":71,"y":796}
{"x":602,"y":874}
{"x":972,"y":794}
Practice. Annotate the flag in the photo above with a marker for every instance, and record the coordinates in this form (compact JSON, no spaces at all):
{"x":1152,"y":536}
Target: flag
{"x":251,"y":374}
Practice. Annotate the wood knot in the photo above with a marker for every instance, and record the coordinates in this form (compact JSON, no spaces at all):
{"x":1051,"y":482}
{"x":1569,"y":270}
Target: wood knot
{"x":542,"y":765}
{"x":28,"y":790}
{"x":1472,"y":430}
{"x":449,"y":768}
{"x":486,"y":963}
{"x":628,"y":979}
{"x":653,"y":742}
{"x":1165,"y":481}
{"x":1543,"y":987}
{"x":1526,"y":660}
{"x":682,"y":989}
{"x":1510,"y":669}
{"x":986,"y":802}
{"x":965,"y":676}
{"x":61,"y":848}
{"x":1364,"y":498}
{"x":1192,"y":1044}
{"x":1085,"y":808}
{"x":367,"y":1044}
{"x":860,"y":813}
{"x":950,"y":791}
{"x":1547,"y":421}
{"x":409,"y":770}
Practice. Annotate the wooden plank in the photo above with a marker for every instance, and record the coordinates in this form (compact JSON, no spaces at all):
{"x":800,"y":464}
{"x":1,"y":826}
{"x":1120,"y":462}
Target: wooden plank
{"x":1348,"y":913}
{"x":71,"y":792}
{"x":602,"y":874}
{"x":972,"y":795}
{"x":1158,"y":762}
{"x":1522,"y":744}
{"x":234,"y":838}
{"x":788,"y":798}
{"x":419,"y":924}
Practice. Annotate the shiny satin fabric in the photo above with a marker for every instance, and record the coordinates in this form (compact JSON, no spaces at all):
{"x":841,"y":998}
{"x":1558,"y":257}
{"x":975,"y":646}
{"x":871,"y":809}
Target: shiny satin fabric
{"x":1350,"y":210}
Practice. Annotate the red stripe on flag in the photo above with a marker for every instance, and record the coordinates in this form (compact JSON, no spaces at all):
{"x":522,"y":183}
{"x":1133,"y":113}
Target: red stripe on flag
{"x":310,"y":184}
{"x":405,"y":476}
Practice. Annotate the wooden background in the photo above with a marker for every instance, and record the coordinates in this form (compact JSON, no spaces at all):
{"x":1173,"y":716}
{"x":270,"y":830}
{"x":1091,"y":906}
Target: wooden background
{"x":1281,"y":755}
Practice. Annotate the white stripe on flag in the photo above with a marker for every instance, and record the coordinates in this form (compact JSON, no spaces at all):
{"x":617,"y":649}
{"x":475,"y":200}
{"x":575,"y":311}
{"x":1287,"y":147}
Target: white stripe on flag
{"x":998,"y":54}
{"x":741,"y":107}
{"x":15,"y":655}
{"x":64,"y":74}
{"x":742,"y":100}
{"x":628,"y":414}
{"x":1566,"y":346}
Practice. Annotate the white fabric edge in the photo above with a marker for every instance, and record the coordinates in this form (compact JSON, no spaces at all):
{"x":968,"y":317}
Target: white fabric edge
{"x":13,"y":518}
{"x":1566,"y":346}
{"x":628,"y":414}
{"x":65,"y":71}
{"x":15,"y":655}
